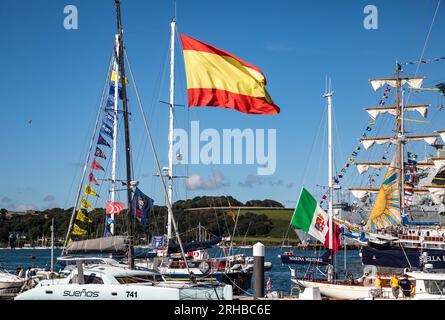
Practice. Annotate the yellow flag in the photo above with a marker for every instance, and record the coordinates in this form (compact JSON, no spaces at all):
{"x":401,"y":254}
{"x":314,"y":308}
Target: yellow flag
{"x":82,"y":217}
{"x":113,"y":77}
{"x":78,"y":231}
{"x":70,"y":241}
{"x":85,"y":204}
{"x":90,"y":191}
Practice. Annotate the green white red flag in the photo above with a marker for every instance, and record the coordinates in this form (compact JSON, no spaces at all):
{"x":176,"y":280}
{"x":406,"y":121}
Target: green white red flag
{"x":310,"y":217}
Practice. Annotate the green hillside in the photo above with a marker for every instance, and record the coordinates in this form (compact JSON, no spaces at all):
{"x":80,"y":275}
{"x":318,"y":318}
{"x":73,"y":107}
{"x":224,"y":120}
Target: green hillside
{"x":280,"y":219}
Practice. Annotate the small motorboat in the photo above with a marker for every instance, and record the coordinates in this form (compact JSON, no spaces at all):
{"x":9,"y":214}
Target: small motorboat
{"x":10,"y":283}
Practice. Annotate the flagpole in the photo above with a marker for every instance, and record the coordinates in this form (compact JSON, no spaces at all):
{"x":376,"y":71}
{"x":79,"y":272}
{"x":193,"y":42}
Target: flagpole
{"x":116,"y":106}
{"x":171,"y":129}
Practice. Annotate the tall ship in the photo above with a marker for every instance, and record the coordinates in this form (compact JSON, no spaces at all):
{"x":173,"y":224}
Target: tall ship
{"x":405,"y":225}
{"x":398,"y":225}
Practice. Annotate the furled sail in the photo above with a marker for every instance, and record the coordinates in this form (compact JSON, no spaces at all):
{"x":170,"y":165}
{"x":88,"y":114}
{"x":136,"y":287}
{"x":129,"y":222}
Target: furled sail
{"x":428,"y":138}
{"x":115,"y":244}
{"x":412,"y":82}
{"x":362,"y":167}
{"x":437,"y":193}
{"x":392,"y":110}
{"x":386,"y":210}
{"x":361,"y":194}
{"x":439,"y":163}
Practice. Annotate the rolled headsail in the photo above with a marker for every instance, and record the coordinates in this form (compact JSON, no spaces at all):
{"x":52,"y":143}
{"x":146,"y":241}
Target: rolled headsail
{"x":219,"y":79}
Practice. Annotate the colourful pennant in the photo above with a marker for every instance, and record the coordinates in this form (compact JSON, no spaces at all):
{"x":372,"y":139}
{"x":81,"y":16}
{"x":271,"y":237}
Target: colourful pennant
{"x":89,"y":191}
{"x":81,"y":216}
{"x":106,"y":130}
{"x":102,"y":141}
{"x":85,"y":204}
{"x":99,"y":153}
{"x":109,"y":117}
{"x":78,"y":231}
{"x":96,"y":166}
{"x":113,"y":77}
{"x":92,"y":179}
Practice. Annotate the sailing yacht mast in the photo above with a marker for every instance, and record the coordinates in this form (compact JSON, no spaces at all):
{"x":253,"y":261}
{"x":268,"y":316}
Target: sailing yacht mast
{"x":127,"y":133}
{"x":115,"y":112}
{"x":328,"y":95}
{"x":171,"y":128}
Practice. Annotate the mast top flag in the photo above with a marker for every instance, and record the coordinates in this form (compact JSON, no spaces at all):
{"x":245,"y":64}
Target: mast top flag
{"x":219,"y":79}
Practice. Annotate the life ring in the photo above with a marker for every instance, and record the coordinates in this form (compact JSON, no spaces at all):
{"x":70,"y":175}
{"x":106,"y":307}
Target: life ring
{"x":195,"y":254}
{"x":204,"y":267}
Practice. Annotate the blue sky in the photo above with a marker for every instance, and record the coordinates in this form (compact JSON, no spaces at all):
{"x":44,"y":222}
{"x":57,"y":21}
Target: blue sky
{"x":55,"y":78}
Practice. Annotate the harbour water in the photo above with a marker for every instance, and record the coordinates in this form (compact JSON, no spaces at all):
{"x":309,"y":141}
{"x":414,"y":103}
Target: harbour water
{"x":279,"y":274}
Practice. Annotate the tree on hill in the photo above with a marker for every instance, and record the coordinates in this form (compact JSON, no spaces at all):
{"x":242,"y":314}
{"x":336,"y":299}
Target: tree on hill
{"x":264,"y":203}
{"x":207,"y":201}
{"x":252,"y":224}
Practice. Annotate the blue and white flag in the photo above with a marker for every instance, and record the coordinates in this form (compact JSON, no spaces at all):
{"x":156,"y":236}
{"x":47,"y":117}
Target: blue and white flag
{"x":107,"y":130}
{"x":119,"y":89}
{"x":109,"y":117}
{"x":110,"y":104}
{"x":157,"y":242}
{"x":110,"y":221}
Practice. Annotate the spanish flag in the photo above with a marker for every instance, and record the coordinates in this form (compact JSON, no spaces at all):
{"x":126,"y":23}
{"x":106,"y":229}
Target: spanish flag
{"x":220,"y":79}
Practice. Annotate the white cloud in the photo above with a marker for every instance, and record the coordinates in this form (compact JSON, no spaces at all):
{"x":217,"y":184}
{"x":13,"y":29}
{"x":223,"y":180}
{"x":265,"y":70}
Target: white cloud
{"x":196,"y":182}
{"x":24,"y":207}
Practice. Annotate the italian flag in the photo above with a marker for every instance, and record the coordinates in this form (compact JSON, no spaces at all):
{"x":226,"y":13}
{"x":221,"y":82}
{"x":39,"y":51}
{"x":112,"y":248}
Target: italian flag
{"x":310,"y":217}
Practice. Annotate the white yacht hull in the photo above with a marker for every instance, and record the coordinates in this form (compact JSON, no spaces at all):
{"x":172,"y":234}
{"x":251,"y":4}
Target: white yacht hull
{"x":123,"y":292}
{"x":340,"y":291}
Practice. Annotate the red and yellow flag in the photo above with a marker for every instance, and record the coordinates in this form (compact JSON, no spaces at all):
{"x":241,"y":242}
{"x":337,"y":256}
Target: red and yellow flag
{"x":218,"y":78}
